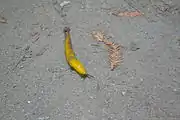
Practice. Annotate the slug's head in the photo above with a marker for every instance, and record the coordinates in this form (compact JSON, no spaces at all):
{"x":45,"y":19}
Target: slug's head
{"x":66,"y":29}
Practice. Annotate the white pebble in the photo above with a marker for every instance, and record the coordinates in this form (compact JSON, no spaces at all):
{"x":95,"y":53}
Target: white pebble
{"x":123,"y":93}
{"x":174,"y":90}
{"x":64,"y":3}
{"x":142,"y":79}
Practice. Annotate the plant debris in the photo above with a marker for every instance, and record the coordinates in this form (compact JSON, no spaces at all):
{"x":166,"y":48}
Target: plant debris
{"x":22,"y":58}
{"x":35,"y":36}
{"x":114,"y":53}
{"x":43,"y":50}
{"x":127,"y":13}
{"x":3,"y":19}
{"x":133,"y":46}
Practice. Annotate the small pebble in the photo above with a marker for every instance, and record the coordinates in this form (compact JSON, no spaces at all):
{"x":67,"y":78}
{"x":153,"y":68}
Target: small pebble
{"x":174,"y":90}
{"x":64,"y":3}
{"x":21,"y":67}
{"x":123,"y":93}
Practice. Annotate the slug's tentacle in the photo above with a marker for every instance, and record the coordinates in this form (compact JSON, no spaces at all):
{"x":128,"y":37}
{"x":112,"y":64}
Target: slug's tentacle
{"x":87,"y":76}
{"x":67,"y":29}
{"x":90,"y":76}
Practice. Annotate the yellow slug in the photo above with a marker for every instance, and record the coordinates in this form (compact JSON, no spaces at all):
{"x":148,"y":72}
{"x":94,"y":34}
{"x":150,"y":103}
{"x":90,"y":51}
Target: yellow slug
{"x":71,"y":58}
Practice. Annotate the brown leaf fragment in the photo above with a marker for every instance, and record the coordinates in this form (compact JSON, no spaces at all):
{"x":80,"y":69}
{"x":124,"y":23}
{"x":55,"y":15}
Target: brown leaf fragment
{"x":127,"y":13}
{"x":99,"y":36}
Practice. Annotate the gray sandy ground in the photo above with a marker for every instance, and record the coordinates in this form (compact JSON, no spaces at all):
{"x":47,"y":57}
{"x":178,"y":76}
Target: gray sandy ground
{"x":36,"y":84}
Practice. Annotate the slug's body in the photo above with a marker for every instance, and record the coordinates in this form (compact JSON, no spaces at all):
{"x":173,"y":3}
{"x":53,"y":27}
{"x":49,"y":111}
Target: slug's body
{"x":71,"y":59}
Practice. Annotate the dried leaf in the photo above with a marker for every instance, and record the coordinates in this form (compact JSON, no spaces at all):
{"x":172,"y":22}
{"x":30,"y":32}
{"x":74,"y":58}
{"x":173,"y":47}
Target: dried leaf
{"x":99,"y":36}
{"x":113,"y":49}
{"x":114,"y":56}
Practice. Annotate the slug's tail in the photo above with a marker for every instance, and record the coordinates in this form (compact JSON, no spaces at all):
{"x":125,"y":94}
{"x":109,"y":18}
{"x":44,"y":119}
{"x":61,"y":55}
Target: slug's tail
{"x":66,"y":29}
